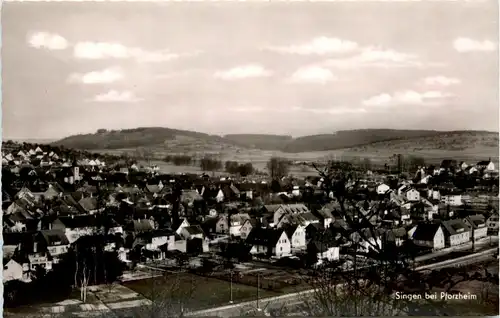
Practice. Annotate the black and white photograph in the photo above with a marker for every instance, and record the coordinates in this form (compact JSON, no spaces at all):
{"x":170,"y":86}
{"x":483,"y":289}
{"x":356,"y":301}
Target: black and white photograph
{"x":168,"y":159}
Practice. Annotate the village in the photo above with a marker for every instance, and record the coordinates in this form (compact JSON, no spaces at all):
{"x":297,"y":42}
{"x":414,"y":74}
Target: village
{"x":259,"y":230}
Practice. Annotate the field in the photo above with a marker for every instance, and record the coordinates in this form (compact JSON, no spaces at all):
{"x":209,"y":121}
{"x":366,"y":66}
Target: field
{"x":197,"y":292}
{"x":377,"y":155}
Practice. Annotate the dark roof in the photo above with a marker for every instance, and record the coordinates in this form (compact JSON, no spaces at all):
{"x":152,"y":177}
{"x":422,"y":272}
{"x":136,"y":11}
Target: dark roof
{"x":79,"y":221}
{"x":149,"y":235}
{"x":426,"y":231}
{"x":264,"y":236}
{"x":194,"y":229}
{"x":54,"y":237}
{"x":290,"y":229}
{"x":455,"y":226}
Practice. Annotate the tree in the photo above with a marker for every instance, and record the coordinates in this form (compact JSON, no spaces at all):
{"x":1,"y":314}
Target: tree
{"x":232,"y":167}
{"x":278,"y":167}
{"x":245,"y":169}
{"x":414,"y":163}
{"x":209,"y":163}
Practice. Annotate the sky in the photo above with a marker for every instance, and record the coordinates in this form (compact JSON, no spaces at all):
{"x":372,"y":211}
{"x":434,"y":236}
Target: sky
{"x":293,"y":68}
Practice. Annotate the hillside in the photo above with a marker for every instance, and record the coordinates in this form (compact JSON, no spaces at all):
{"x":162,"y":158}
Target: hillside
{"x":467,"y":142}
{"x":184,"y":141}
{"x":260,"y":141}
{"x":150,"y":137}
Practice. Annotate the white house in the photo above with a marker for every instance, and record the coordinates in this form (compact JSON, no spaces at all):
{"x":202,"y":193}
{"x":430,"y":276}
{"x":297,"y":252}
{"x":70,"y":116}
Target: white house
{"x":382,"y":188}
{"x":246,"y":228}
{"x":428,"y":235}
{"x":456,"y":232}
{"x":297,"y":235}
{"x":323,"y":251}
{"x":234,"y":228}
{"x":12,"y":270}
{"x":478,"y":224}
{"x":412,"y":195}
{"x":183,"y":224}
{"x":492,"y":222}
{"x":452,"y":199}
{"x":269,"y":242}
{"x":220,"y":196}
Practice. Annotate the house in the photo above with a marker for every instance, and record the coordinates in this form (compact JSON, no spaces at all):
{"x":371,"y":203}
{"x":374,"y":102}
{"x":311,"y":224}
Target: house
{"x":322,"y":251}
{"x":184,"y":223}
{"x":75,"y":227}
{"x":326,"y":214}
{"x":396,"y":236}
{"x":477,"y":224}
{"x":456,"y":232}
{"x":382,"y":188}
{"x":191,"y":232}
{"x":367,"y":240}
{"x":12,"y":270}
{"x":53,"y":241}
{"x":269,"y":242}
{"x":297,"y":236}
{"x":153,"y":240}
{"x":412,"y":195}
{"x":247,"y":227}
{"x":237,"y":221}
{"x":278,"y":210}
{"x":486,"y":166}
{"x":428,"y":235}
{"x":492,"y":223}
{"x":452,"y":199}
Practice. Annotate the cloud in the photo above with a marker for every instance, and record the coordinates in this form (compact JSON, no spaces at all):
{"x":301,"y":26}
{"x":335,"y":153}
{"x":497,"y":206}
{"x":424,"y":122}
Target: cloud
{"x":247,"y":109}
{"x":115,"y":96}
{"x":319,"y":46}
{"x":110,"y":50}
{"x":465,"y":45}
{"x":332,"y":111}
{"x":109,"y":75}
{"x":312,"y":74}
{"x":47,"y":40}
{"x":406,"y":97}
{"x":242,"y":72}
{"x":376,"y":57}
{"x":441,"y":81}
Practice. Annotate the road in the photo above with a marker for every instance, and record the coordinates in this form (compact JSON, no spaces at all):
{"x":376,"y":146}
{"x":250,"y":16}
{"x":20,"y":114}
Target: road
{"x":491,"y":240}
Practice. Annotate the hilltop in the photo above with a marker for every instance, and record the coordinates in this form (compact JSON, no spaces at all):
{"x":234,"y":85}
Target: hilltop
{"x":184,"y":141}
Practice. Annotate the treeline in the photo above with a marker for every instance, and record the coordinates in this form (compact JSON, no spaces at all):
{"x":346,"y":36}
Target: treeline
{"x":179,"y":160}
{"x":243,"y":170}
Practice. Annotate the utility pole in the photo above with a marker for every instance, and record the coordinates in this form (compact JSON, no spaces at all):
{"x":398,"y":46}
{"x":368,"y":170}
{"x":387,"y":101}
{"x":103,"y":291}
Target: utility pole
{"x":258,"y":291}
{"x":231,"y":286}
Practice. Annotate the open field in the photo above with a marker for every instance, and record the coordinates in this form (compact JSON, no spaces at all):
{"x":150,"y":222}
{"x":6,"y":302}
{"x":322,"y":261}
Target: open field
{"x":377,"y":156}
{"x":196,"y":291}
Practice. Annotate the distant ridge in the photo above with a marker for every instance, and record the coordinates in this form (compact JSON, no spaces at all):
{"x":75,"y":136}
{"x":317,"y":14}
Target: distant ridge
{"x":171,"y":139}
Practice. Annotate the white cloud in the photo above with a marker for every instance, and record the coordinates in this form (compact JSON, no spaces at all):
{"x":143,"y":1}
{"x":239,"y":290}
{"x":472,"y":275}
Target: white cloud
{"x":108,"y":75}
{"x":312,"y":74}
{"x":48,"y":41}
{"x":115,"y":96}
{"x":465,"y":45}
{"x":109,"y":50}
{"x":332,"y":111}
{"x":319,"y":46}
{"x":441,"y":81}
{"x":376,"y":57}
{"x":247,"y":109}
{"x":242,"y":72}
{"x":406,"y":97}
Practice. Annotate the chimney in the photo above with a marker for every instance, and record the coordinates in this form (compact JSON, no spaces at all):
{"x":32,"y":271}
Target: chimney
{"x":50,"y":226}
{"x":72,"y":216}
{"x":35,"y":247}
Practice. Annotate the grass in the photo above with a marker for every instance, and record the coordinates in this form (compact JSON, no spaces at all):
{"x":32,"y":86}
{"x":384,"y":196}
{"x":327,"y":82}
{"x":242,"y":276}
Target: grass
{"x":195,"y":291}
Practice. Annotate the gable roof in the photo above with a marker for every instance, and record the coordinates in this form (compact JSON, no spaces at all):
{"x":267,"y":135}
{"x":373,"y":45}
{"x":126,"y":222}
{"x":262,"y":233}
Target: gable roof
{"x":426,"y":231}
{"x":54,"y":237}
{"x":455,"y":226}
{"x":78,"y":221}
{"x":264,"y":236}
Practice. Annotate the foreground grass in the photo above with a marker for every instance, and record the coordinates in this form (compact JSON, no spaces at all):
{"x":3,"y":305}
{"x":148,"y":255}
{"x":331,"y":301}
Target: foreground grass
{"x":195,"y":292}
